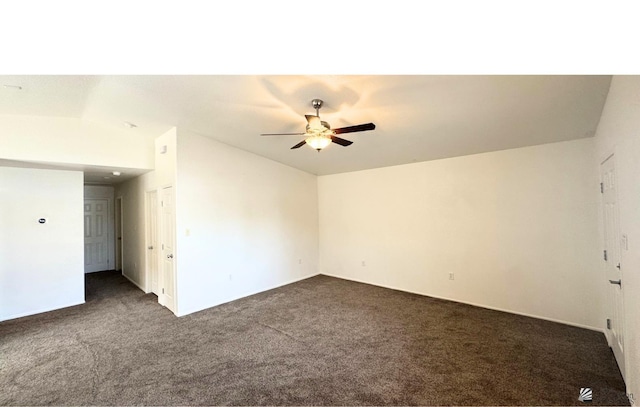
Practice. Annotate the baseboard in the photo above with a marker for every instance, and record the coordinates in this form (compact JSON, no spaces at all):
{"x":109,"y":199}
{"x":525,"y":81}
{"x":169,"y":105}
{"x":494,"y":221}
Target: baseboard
{"x":134,"y":283}
{"x":524,"y":314}
{"x":295,"y":280}
{"x":40,"y":311}
{"x":97,"y":271}
{"x":250,"y":293}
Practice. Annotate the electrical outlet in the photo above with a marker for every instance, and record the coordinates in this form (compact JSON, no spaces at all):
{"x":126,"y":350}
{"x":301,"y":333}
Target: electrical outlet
{"x":451,"y":276}
{"x":299,"y":261}
{"x":364,"y":263}
{"x":230,"y":277}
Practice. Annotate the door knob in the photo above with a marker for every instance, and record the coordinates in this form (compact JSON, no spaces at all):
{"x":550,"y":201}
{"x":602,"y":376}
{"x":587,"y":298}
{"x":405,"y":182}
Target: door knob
{"x":619,"y":282}
{"x":170,"y":256}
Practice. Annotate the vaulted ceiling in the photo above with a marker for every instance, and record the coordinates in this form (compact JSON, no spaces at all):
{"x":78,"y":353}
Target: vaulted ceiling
{"x":417,"y":118}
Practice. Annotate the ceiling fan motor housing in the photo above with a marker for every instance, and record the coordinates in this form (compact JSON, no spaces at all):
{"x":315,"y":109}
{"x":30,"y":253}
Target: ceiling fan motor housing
{"x":325,"y":124}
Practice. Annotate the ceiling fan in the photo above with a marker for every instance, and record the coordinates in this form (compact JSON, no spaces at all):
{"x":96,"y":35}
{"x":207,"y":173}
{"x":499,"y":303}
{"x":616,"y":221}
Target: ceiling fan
{"x":319,"y":134}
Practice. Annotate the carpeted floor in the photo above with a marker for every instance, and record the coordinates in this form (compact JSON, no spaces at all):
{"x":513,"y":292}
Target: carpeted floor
{"x":321,"y":341}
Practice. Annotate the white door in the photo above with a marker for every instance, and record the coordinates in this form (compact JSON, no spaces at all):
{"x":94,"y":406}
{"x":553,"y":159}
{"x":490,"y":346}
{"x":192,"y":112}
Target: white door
{"x":96,"y":235}
{"x":168,"y":248}
{"x":152,"y":240}
{"x":615,"y":283}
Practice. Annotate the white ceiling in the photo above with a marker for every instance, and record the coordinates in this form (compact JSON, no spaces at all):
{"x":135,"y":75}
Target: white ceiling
{"x":417,"y":118}
{"x":93,"y":174}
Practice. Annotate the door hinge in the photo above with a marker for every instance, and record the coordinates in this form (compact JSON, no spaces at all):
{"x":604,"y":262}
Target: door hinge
{"x":161,"y":203}
{"x":605,"y":255}
{"x":163,"y":293}
{"x":601,"y":188}
{"x":608,"y":323}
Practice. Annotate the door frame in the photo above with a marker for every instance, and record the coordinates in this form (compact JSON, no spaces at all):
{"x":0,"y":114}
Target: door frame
{"x":149,"y":196}
{"x":119,"y":255}
{"x":109,"y":219}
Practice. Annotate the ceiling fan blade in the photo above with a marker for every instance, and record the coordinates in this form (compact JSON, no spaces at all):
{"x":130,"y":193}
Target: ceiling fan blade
{"x":314,"y":121}
{"x":341,"y":141}
{"x":353,"y":129}
{"x":300,"y":144}
{"x":283,"y":134}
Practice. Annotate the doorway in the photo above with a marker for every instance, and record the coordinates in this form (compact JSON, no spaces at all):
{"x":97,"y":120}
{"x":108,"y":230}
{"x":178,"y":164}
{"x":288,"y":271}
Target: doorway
{"x":613,"y":267}
{"x":96,"y":235}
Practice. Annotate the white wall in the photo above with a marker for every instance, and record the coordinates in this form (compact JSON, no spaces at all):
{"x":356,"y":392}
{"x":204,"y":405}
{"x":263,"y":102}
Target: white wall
{"x":516,"y":227}
{"x":42,"y":265}
{"x":165,"y":158}
{"x":105,"y":192}
{"x":134,"y":262}
{"x":619,"y":133}
{"x":245,"y":224}
{"x":73,"y":141}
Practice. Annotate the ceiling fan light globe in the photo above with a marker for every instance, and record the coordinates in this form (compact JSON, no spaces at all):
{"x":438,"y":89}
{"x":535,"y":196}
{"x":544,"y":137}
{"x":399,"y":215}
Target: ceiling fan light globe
{"x":318,"y":142}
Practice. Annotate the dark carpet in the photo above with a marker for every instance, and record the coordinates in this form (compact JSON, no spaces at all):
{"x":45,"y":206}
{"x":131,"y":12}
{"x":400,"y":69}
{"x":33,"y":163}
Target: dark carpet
{"x":321,"y":341}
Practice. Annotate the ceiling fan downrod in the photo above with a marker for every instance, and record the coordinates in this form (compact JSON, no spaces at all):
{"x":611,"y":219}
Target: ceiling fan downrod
{"x":317,"y":104}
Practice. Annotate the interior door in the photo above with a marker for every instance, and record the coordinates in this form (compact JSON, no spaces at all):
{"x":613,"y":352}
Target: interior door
{"x":615,"y":283}
{"x":168,"y":249}
{"x":152,"y":240}
{"x":96,"y":235}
